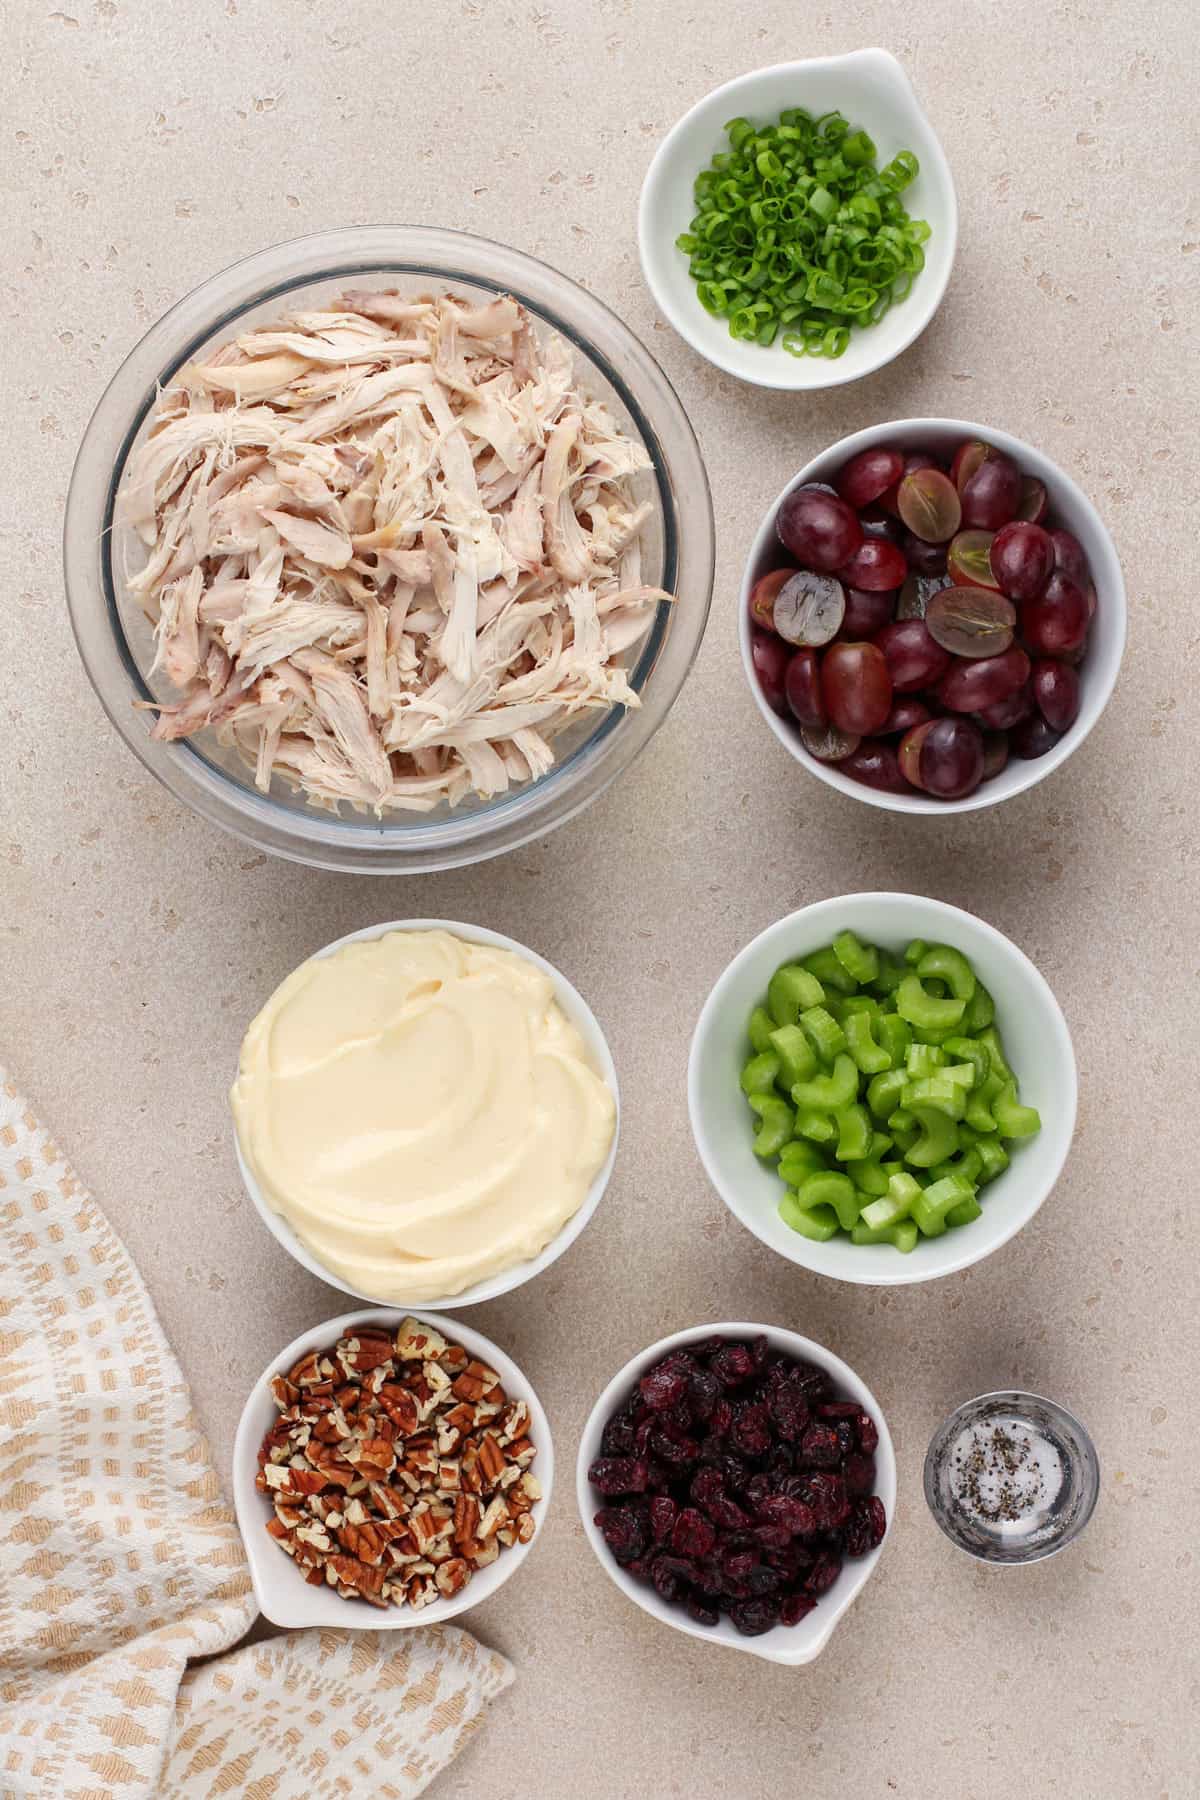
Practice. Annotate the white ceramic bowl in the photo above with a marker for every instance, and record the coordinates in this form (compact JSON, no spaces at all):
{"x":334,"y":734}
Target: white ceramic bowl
{"x":872,"y":91}
{"x":789,"y":1644}
{"x":1069,"y":507}
{"x":279,"y":1587}
{"x":1036,"y":1041}
{"x":584,"y":1020}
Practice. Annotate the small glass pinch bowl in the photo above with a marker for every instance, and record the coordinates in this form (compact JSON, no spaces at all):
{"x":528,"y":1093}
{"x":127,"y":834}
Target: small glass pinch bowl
{"x":1061,"y":1487}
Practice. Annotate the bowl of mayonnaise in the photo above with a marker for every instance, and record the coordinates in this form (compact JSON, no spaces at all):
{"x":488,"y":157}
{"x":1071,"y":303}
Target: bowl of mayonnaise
{"x":425,"y":1113}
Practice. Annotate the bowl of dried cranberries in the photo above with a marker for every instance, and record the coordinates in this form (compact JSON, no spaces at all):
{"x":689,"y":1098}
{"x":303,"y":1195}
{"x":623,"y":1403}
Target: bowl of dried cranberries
{"x":932,"y":616}
{"x":738,"y":1482}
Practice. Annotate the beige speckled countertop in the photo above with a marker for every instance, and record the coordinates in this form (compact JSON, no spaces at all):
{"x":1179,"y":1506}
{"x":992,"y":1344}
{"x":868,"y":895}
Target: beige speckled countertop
{"x":144,"y":146}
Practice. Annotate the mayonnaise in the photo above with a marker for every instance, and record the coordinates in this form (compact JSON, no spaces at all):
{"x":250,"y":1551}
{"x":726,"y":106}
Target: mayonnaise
{"x":421,"y":1112}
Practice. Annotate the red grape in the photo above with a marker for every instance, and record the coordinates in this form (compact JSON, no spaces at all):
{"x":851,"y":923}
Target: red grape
{"x":969,"y":687}
{"x":968,"y":560}
{"x":762,"y":597}
{"x":929,"y":505}
{"x":906,"y":712}
{"x":1033,"y":737}
{"x":830,"y":744}
{"x":913,"y":659}
{"x":950,"y":761}
{"x":1022,"y":558}
{"x":917,"y":592}
{"x":802,"y":685}
{"x":1056,"y":689}
{"x":1003,"y":714}
{"x":819,"y":529}
{"x":856,"y":687}
{"x":877,"y":766}
{"x":1034,"y":500}
{"x":809,"y":608}
{"x":995,"y":753}
{"x":970,"y":621}
{"x":876,"y":565}
{"x":923,"y":558}
{"x":866,"y":613}
{"x":967,"y":459}
{"x":991,"y":495}
{"x":916,"y":459}
{"x":879,"y":524}
{"x":1058,"y":620}
{"x":770,"y":659}
{"x":869,"y":474}
{"x":1069,"y":556}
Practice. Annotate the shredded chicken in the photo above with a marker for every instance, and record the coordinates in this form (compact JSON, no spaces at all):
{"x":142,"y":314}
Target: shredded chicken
{"x":391,"y":551}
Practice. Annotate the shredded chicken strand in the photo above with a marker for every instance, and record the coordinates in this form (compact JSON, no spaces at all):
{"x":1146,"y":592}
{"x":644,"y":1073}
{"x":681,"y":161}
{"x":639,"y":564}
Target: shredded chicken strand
{"x":392,"y":551}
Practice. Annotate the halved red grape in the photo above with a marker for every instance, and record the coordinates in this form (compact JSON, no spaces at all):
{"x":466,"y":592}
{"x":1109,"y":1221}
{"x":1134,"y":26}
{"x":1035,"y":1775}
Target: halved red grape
{"x":914,"y":660}
{"x":917,"y":592}
{"x":995,"y":753}
{"x":908,"y":752}
{"x":970,"y":687}
{"x":923,"y":558}
{"x":929,"y":505}
{"x":969,"y":621}
{"x":1022,"y":559}
{"x":1034,"y":500}
{"x":809,"y":608}
{"x":819,"y":529}
{"x":1033,"y":737}
{"x":869,"y":474}
{"x":829,"y":745}
{"x":866,"y":613}
{"x":916,"y":459}
{"x":967,"y":459}
{"x":906,"y":712}
{"x":1003,"y":714}
{"x":968,"y":560}
{"x":951,"y":758}
{"x":802,"y":685}
{"x":762,"y":597}
{"x":876,"y":566}
{"x":1057,"y":620}
{"x":1069,"y":556}
{"x":991,"y":495}
{"x":876,"y":765}
{"x":1055,"y":687}
{"x":856,"y":687}
{"x":817,"y":487}
{"x":770,"y":659}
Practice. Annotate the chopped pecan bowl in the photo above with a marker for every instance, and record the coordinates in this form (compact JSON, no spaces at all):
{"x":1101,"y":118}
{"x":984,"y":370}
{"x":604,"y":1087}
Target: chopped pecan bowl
{"x":398,"y":1466}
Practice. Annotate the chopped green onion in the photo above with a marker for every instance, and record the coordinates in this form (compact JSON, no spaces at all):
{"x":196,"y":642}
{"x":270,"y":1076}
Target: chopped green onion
{"x":797,"y":232}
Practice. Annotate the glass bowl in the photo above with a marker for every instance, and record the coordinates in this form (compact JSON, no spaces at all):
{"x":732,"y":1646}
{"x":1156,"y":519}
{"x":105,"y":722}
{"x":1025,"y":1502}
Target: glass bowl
{"x":115,"y":639}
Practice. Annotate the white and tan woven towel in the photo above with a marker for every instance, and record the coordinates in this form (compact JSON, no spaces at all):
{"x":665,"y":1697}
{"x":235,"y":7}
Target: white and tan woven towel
{"x":120,"y":1561}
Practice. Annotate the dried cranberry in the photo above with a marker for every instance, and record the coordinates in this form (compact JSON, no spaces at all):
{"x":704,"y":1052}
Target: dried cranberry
{"x":751,"y":1430}
{"x":624,"y":1531}
{"x":868,"y":1435}
{"x":720,"y":1419}
{"x":702,"y":1613}
{"x":619,"y":1475}
{"x":617,"y":1438}
{"x":760,"y":1349}
{"x":763,"y":1579}
{"x":726,"y":1514}
{"x":792,"y":1562}
{"x":827,"y":1498}
{"x":795,"y":1607}
{"x":707,"y":1484}
{"x":789,"y":1410}
{"x":793,"y":1515}
{"x":819,"y":1448}
{"x":858,"y":1472}
{"x":838,"y":1409}
{"x":857,"y":1533}
{"x":773,"y":1537}
{"x":753,"y":1617}
{"x":878,"y":1514}
{"x":732,"y":1365}
{"x":663,"y":1513}
{"x":823,"y":1574}
{"x":736,"y":1565}
{"x":704,"y":1390}
{"x":666,"y":1582}
{"x":812,"y":1382}
{"x":678,"y":1452}
{"x":759,"y":1488}
{"x":663,"y":1386}
{"x":708,"y":1348}
{"x":692,"y":1534}
{"x":781,"y":1460}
